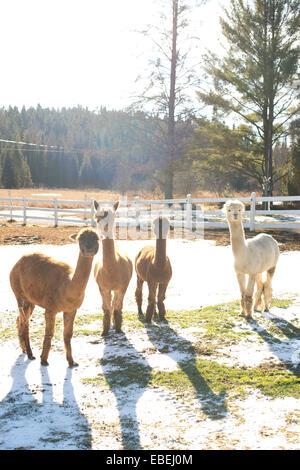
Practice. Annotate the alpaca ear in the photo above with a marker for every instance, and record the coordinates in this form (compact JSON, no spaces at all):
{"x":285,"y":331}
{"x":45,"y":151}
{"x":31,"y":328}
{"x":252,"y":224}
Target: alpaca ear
{"x":116,"y":205}
{"x":96,"y":205}
{"x":73,"y":237}
{"x":224,"y":208}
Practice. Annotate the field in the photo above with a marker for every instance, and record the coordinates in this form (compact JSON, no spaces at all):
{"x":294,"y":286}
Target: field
{"x":103,"y":195}
{"x":206,"y":379}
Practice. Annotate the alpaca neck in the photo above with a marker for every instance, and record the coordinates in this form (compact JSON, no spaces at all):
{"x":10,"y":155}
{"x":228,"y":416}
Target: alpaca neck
{"x":237,"y":237}
{"x":108,"y":251}
{"x":160,"y":251}
{"x":82,"y":273}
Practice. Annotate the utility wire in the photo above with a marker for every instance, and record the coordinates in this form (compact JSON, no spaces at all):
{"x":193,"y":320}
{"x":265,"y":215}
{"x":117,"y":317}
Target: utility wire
{"x":46,"y":148}
{"x":30,"y":143}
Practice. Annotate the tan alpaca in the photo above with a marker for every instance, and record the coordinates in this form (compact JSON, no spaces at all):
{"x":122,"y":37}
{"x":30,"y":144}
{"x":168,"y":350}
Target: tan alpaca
{"x":113,"y":272}
{"x":252,"y":257}
{"x":153,"y":266}
{"x":37,"y":279}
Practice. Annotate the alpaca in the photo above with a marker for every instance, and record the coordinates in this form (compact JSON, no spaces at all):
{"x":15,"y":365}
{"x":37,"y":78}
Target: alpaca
{"x":153,"y":266}
{"x":114,"y":272}
{"x":37,"y":279}
{"x":252,"y":257}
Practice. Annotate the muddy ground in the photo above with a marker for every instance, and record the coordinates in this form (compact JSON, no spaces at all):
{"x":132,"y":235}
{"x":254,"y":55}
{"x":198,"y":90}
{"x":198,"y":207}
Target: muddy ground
{"x":16,"y":234}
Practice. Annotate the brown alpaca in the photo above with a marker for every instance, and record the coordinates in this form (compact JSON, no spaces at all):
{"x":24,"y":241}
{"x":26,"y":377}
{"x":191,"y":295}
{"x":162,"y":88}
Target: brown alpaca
{"x":114,"y":272}
{"x":153,"y":266}
{"x":37,"y":279}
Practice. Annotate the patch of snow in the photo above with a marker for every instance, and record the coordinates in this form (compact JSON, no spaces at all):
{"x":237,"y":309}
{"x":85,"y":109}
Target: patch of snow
{"x":51,"y":407}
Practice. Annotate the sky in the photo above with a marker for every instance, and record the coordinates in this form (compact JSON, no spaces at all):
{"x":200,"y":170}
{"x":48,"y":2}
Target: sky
{"x":64,"y":53}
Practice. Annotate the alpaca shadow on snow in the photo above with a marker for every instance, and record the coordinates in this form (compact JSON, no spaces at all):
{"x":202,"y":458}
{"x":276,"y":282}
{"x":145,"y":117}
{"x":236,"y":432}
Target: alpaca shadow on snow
{"x":289,"y":354}
{"x":168,"y":341}
{"x":29,"y":423}
{"x":127,"y":374}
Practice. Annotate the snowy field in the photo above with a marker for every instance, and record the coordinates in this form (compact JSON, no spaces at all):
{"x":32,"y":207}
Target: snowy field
{"x":57,"y":408}
{"x":203,"y":273}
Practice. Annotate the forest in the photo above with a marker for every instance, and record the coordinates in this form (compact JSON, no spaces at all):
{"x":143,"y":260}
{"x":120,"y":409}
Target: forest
{"x":240,"y":132}
{"x":122,"y":150}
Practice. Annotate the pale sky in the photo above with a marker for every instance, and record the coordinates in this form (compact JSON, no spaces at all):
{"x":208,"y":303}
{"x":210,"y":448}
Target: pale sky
{"x":60,"y":53}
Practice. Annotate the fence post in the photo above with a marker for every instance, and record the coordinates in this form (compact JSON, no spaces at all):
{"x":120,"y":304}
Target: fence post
{"x":137,"y":213}
{"x":10,"y":203}
{"x":92,"y":213}
{"x":188,"y":218}
{"x":55,"y":212}
{"x":252,"y":211}
{"x":24,"y":211}
{"x":84,"y":215}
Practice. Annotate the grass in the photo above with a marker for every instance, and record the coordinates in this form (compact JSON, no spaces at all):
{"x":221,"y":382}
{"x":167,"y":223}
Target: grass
{"x":203,"y":378}
{"x":200,"y":374}
{"x":235,"y":382}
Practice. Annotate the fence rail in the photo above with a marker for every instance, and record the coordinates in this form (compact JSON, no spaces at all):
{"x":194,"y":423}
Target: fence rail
{"x":194,"y":214}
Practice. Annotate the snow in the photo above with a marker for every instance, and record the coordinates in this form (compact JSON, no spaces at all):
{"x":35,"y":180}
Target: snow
{"x":202,"y":274}
{"x":51,"y":407}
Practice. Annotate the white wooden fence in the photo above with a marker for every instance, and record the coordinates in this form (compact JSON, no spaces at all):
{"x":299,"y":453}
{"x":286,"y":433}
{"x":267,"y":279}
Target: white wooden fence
{"x":189,"y":213}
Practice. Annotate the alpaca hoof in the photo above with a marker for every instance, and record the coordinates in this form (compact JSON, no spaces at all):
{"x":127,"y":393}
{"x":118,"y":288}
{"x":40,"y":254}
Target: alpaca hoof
{"x":73,"y":364}
{"x":44,"y":363}
{"x":267,"y":310}
{"x":31,"y":357}
{"x":163,"y":319}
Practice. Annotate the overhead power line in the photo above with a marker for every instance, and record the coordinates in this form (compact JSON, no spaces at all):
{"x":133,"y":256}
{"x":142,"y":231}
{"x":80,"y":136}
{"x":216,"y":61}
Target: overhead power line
{"x":32,"y":144}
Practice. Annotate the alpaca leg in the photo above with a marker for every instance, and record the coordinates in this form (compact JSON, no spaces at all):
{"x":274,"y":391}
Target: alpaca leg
{"x":242,"y":284}
{"x":106,"y":305}
{"x":69,"y":318}
{"x":152,"y":286}
{"x":50,"y":318}
{"x":139,"y":295}
{"x":25,"y":309}
{"x":117,"y":310}
{"x":267,"y":294}
{"x":249,"y":295}
{"x":259,"y":291}
{"x":160,"y":301}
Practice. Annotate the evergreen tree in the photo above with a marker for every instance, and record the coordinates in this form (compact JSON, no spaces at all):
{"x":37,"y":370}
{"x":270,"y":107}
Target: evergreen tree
{"x":221,"y":155}
{"x":16,"y":172}
{"x":255,"y":79}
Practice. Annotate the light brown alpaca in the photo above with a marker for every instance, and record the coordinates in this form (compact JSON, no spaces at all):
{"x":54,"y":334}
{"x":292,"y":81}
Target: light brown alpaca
{"x":37,"y":279}
{"x":153,"y":266}
{"x":114,"y":272}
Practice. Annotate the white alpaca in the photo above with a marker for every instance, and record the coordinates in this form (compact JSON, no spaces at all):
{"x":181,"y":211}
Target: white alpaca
{"x":252,"y":257}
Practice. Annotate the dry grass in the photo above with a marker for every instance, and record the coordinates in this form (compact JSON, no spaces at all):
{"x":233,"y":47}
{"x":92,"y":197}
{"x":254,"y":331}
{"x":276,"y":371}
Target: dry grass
{"x":63,"y":194}
{"x":17,"y":234}
{"x":103,"y":195}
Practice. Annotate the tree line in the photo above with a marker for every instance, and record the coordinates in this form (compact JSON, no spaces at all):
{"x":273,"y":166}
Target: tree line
{"x":242,"y":131}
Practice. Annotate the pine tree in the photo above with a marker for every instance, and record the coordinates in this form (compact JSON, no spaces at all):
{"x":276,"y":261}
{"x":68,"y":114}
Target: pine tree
{"x":16,"y":172}
{"x":254,"y":80}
